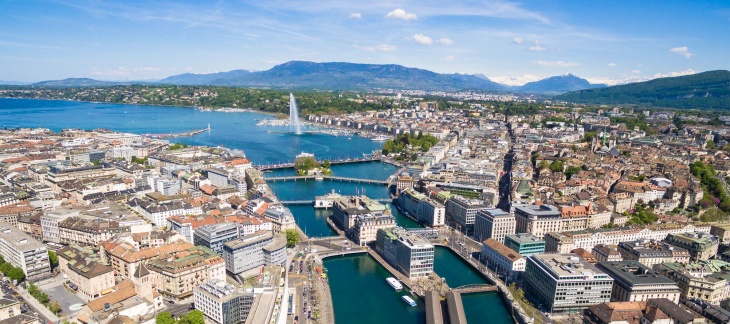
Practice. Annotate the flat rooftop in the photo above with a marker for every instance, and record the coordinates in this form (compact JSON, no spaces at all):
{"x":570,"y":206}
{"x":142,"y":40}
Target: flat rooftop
{"x":19,"y":239}
{"x":633,"y":273}
{"x":568,"y":265}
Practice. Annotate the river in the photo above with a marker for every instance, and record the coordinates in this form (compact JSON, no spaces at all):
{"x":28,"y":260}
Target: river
{"x":359,"y":290}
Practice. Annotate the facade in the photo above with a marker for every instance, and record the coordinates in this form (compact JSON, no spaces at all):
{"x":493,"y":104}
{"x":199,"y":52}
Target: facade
{"x":407,"y":252}
{"x":503,"y":260}
{"x":249,"y":252}
{"x":633,"y":281}
{"x":223,"y":303}
{"x":538,"y":220}
{"x":89,"y":232}
{"x":125,"y":256}
{"x":50,"y":221}
{"x":91,"y":277}
{"x":722,"y":231}
{"x":525,"y":244}
{"x":701,"y":246}
{"x":493,"y":223}
{"x":565,"y":283}
{"x":367,"y":227}
{"x":213,"y":236}
{"x":463,"y":212}
{"x":24,"y":252}
{"x":218,"y":177}
{"x":705,"y":280}
{"x":177,"y":273}
{"x":10,"y":308}
{"x":422,"y":208}
{"x":167,"y":187}
{"x":604,"y":252}
{"x":649,"y":252}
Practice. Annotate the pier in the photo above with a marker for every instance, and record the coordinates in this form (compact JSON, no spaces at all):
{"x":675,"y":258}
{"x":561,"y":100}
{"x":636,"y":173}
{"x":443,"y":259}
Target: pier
{"x":183,"y":134}
{"x":334,"y":178}
{"x":289,"y":165}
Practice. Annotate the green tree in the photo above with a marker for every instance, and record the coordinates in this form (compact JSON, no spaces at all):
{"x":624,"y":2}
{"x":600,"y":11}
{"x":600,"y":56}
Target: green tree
{"x":164,"y":318}
{"x":54,"y":307}
{"x":572,"y":170}
{"x":53,"y":258}
{"x":292,"y":238}
{"x":542,"y":165}
{"x":588,"y":136}
{"x":711,"y":145}
{"x":194,"y":317}
{"x":556,"y":166}
{"x":16,"y":274}
{"x":326,"y":164}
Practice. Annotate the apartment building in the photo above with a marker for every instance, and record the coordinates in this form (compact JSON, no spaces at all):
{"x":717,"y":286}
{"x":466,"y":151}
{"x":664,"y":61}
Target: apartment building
{"x":603,"y":252}
{"x":705,"y":280}
{"x":85,"y":271}
{"x":177,"y":273}
{"x":422,"y":208}
{"x":701,"y":246}
{"x":651,"y":252}
{"x":24,"y":252}
{"x":503,"y":260}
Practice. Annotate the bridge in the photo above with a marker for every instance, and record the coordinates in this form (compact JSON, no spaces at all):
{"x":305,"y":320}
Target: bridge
{"x":289,"y":165}
{"x":342,"y":179}
{"x":475,"y":288}
{"x":311,"y":202}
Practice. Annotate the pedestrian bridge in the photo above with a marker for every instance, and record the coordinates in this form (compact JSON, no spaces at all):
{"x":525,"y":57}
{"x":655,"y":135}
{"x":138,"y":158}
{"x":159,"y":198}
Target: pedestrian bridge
{"x":332,"y":178}
{"x":468,"y":289}
{"x":311,"y":202}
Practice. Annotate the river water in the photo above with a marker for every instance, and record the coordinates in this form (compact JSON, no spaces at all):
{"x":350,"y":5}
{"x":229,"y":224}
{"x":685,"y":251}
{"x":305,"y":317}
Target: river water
{"x":360,"y":293}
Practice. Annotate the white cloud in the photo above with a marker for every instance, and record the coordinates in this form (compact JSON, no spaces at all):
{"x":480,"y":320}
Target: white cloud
{"x":555,"y":63}
{"x":380,"y":47}
{"x":612,"y":64}
{"x":401,"y":14}
{"x":445,"y":41}
{"x":426,"y":40}
{"x":637,"y":78}
{"x":449,"y":58}
{"x":684,"y":51}
{"x":422,"y":39}
{"x":537,"y":47}
{"x":674,"y":74}
{"x":517,"y":41}
{"x":516,"y":80}
{"x":356,"y":15}
{"x":635,"y":71}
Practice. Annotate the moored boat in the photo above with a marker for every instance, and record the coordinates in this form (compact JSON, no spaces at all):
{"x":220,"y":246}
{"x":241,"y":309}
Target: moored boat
{"x":394,"y":283}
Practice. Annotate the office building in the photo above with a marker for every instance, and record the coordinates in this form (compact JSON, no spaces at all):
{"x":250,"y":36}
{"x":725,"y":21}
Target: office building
{"x":633,"y":281}
{"x":650,"y":252}
{"x":603,"y":252}
{"x":705,"y":280}
{"x":213,"y":236}
{"x":525,"y":244}
{"x":538,"y":220}
{"x":565,"y":282}
{"x":218,"y":177}
{"x":254,"y":250}
{"x":493,"y":223}
{"x":422,"y":208}
{"x":503,"y":260}
{"x":701,"y":246}
{"x":24,"y":252}
{"x":462,"y":212}
{"x":405,"y":251}
{"x":223,"y":303}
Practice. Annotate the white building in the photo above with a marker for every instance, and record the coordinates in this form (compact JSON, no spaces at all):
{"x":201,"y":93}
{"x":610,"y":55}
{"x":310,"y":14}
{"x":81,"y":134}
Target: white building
{"x":503,"y":260}
{"x":407,"y":252}
{"x":24,"y":252}
{"x":253,"y":251}
{"x":493,"y":223}
{"x":121,"y":152}
{"x":223,"y":303}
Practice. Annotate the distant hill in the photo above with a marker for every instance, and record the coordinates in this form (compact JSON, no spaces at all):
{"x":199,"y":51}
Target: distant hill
{"x":344,"y":76}
{"x":558,"y":85}
{"x":203,"y":79}
{"x":18,"y":83}
{"x":706,"y":90}
{"x":77,"y":82}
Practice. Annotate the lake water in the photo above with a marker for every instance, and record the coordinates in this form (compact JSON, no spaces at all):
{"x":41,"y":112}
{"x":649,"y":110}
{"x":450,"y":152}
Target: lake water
{"x":359,"y":290}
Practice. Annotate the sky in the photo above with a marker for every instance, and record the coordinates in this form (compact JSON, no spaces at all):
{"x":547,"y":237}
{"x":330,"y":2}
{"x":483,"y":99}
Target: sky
{"x":508,"y":41}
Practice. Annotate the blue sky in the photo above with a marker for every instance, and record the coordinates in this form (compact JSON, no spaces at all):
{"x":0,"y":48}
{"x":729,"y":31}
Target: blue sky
{"x":510,"y":42}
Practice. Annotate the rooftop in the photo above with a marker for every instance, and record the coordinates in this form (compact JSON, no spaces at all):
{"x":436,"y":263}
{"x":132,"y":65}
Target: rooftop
{"x":633,"y":273}
{"x":18,"y":238}
{"x":567,"y":266}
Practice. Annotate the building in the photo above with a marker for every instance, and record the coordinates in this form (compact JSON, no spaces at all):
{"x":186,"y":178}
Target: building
{"x":503,"y":260}
{"x":90,"y":232}
{"x":538,"y":220}
{"x":178,"y":272}
{"x":493,"y":223}
{"x":462,"y":212}
{"x":565,"y":283}
{"x":254,"y":250}
{"x":125,"y":255}
{"x":167,"y":187}
{"x":701,"y":246}
{"x":422,"y":208}
{"x":654,"y":311}
{"x":722,"y":231}
{"x":633,"y":281}
{"x":705,"y":280}
{"x":85,"y":271}
{"x":24,"y":252}
{"x":603,"y":252}
{"x":218,"y":177}
{"x":367,"y":227}
{"x":405,"y":251}
{"x":213,"y":236}
{"x":525,"y":244}
{"x":186,"y":225}
{"x":50,"y":221}
{"x":10,"y":307}
{"x":650,"y":252}
{"x":223,"y":303}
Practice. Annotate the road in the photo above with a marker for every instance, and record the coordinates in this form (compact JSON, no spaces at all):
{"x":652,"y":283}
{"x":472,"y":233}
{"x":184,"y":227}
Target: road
{"x":44,"y":314}
{"x":177,"y":310}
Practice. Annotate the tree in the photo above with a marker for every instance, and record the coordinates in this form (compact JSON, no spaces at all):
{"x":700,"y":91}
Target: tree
{"x":292,"y":238}
{"x":53,"y":258}
{"x":194,"y":317}
{"x":16,"y":274}
{"x":164,"y":318}
{"x":588,"y":136}
{"x":572,"y":170}
{"x":326,"y":164}
{"x":711,"y":145}
{"x":556,"y":166}
{"x":54,"y":307}
{"x":542,"y":165}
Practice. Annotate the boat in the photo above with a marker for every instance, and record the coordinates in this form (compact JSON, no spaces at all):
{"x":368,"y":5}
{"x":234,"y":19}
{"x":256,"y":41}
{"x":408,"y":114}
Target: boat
{"x":394,"y":283}
{"x":380,"y":138}
{"x":409,"y":301}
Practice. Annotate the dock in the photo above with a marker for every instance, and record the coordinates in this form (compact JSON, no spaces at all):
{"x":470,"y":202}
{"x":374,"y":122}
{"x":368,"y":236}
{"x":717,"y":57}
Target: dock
{"x":402,"y":278}
{"x":434,"y":312}
{"x":455,"y":308}
{"x":289,"y":165}
{"x":183,"y":134}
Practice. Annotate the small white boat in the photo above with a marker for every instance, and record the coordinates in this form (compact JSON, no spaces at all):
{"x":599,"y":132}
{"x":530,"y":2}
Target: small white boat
{"x":380,"y":138}
{"x":394,"y":283}
{"x":409,"y":301}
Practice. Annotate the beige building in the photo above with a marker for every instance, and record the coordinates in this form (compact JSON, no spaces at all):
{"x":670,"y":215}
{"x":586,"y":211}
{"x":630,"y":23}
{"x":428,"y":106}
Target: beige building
{"x":650,"y":252}
{"x":722,"y":231}
{"x":83,"y":231}
{"x":9,"y":307}
{"x":92,"y":278}
{"x":701,"y":246}
{"x":705,"y":280}
{"x":178,"y":272}
{"x":124,"y":256}
{"x":633,"y":281}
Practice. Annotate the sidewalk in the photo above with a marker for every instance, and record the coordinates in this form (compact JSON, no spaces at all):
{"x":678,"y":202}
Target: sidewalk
{"x":42,"y":310}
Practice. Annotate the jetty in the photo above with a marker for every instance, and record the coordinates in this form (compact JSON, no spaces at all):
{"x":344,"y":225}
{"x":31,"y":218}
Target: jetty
{"x":183,"y":134}
{"x":289,"y":165}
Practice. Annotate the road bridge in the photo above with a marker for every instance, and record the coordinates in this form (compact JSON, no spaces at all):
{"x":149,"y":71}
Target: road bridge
{"x":332,"y":178}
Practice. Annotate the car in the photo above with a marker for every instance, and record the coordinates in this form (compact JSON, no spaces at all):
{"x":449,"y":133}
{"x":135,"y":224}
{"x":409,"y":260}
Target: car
{"x":170,"y":301}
